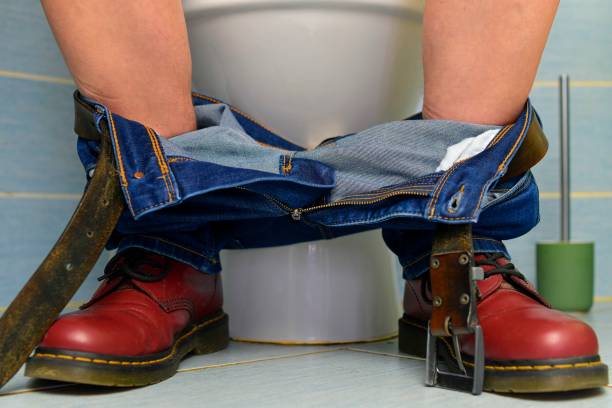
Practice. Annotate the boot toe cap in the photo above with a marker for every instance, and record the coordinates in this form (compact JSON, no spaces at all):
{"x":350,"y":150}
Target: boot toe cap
{"x":538,"y":334}
{"x":103,"y":335}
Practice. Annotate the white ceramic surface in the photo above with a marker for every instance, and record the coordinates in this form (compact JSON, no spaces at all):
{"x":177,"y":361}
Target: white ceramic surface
{"x":311,"y":69}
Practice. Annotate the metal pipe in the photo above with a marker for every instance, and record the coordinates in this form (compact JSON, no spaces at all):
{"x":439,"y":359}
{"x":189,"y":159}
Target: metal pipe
{"x":564,"y":128}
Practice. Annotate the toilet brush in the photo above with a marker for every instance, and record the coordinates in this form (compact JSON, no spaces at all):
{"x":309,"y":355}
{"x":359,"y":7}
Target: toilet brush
{"x":565,"y":269}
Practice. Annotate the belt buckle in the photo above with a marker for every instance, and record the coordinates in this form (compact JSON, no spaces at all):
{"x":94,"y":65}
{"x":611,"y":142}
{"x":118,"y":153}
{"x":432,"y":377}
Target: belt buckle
{"x":454,"y":296}
{"x":458,"y":381}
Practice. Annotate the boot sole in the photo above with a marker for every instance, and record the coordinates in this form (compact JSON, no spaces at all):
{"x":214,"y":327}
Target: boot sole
{"x":524,"y":376}
{"x":119,"y":371}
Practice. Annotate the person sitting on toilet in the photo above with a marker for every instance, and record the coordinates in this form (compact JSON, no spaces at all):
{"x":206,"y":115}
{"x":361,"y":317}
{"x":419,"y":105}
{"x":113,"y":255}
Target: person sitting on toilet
{"x":161,"y":296}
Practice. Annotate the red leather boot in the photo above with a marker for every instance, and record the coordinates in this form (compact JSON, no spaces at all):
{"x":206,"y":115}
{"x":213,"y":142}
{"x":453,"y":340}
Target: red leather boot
{"x":149,"y":313}
{"x":529,"y":347}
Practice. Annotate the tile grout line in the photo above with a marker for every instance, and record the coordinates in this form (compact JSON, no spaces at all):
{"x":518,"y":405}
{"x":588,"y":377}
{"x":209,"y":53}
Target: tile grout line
{"x":259,"y":360}
{"x":35,"y":77}
{"x":30,"y":390}
{"x":549,"y":195}
{"x":186,"y":370}
{"x":380,"y":353}
{"x":28,"y":76}
{"x":38,"y":196}
{"x":237,"y":363}
{"x":573,"y":84}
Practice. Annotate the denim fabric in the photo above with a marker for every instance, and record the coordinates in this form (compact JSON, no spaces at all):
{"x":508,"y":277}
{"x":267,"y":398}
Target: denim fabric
{"x":235,"y":184}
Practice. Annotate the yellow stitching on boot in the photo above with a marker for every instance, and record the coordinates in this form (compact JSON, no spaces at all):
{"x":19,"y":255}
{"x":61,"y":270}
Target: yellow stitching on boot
{"x":514,"y":368}
{"x":131,"y":363}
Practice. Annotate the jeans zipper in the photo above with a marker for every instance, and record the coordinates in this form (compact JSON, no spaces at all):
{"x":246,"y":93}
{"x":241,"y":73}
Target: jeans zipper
{"x":296,"y":213}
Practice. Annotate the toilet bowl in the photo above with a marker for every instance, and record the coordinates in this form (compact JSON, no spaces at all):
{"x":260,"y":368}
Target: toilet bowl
{"x":311,"y":69}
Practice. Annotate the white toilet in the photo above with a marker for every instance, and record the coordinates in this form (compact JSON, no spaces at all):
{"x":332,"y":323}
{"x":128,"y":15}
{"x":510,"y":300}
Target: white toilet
{"x":311,"y":69}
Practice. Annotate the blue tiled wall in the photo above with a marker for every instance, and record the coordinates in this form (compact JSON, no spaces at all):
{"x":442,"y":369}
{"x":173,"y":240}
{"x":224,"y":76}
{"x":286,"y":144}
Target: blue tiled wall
{"x":41,"y":177}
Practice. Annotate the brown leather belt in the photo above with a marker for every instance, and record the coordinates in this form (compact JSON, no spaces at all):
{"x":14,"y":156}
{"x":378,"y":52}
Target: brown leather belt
{"x":62,"y":272}
{"x":454,"y":284}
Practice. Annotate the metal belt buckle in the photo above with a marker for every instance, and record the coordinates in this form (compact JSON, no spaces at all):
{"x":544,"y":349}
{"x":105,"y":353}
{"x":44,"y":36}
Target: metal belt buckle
{"x":462,"y":380}
{"x":454,"y":313}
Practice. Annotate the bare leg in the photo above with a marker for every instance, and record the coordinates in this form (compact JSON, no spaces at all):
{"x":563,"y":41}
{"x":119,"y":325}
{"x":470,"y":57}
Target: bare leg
{"x":481,"y":56}
{"x":132,"y":56}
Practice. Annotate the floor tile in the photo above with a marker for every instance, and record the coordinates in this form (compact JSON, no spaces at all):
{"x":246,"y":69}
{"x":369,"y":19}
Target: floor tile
{"x":245,"y":374}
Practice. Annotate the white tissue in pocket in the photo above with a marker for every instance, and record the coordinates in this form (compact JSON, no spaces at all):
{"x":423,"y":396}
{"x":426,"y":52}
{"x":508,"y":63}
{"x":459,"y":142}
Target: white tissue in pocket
{"x":466,"y":148}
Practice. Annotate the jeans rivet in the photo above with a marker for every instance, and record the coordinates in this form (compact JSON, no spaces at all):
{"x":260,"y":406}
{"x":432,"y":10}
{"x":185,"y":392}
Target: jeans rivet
{"x":435,"y":263}
{"x":138,"y":175}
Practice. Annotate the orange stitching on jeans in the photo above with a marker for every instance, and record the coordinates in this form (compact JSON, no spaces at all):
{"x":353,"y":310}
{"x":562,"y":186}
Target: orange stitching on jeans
{"x":501,"y":166}
{"x":163,"y":168}
{"x":447,"y":176}
{"x":516,"y":143}
{"x":438,"y":189}
{"x":501,"y":134}
{"x":157,"y":150}
{"x":122,"y":176}
{"x":287,"y":165}
{"x":124,"y":181}
{"x":483,"y":187}
{"x":176,"y":159}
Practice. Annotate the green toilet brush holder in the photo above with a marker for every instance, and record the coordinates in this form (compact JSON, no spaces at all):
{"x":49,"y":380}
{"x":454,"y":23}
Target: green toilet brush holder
{"x":565,"y":269}
{"x":565,"y":272}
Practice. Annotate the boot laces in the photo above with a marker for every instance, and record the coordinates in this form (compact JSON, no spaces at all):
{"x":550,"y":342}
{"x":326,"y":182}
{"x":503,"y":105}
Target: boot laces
{"x":506,"y":270}
{"x":135,"y":264}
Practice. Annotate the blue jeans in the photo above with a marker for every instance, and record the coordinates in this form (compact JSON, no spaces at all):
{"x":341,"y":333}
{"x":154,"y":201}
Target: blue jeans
{"x":234,"y":184}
